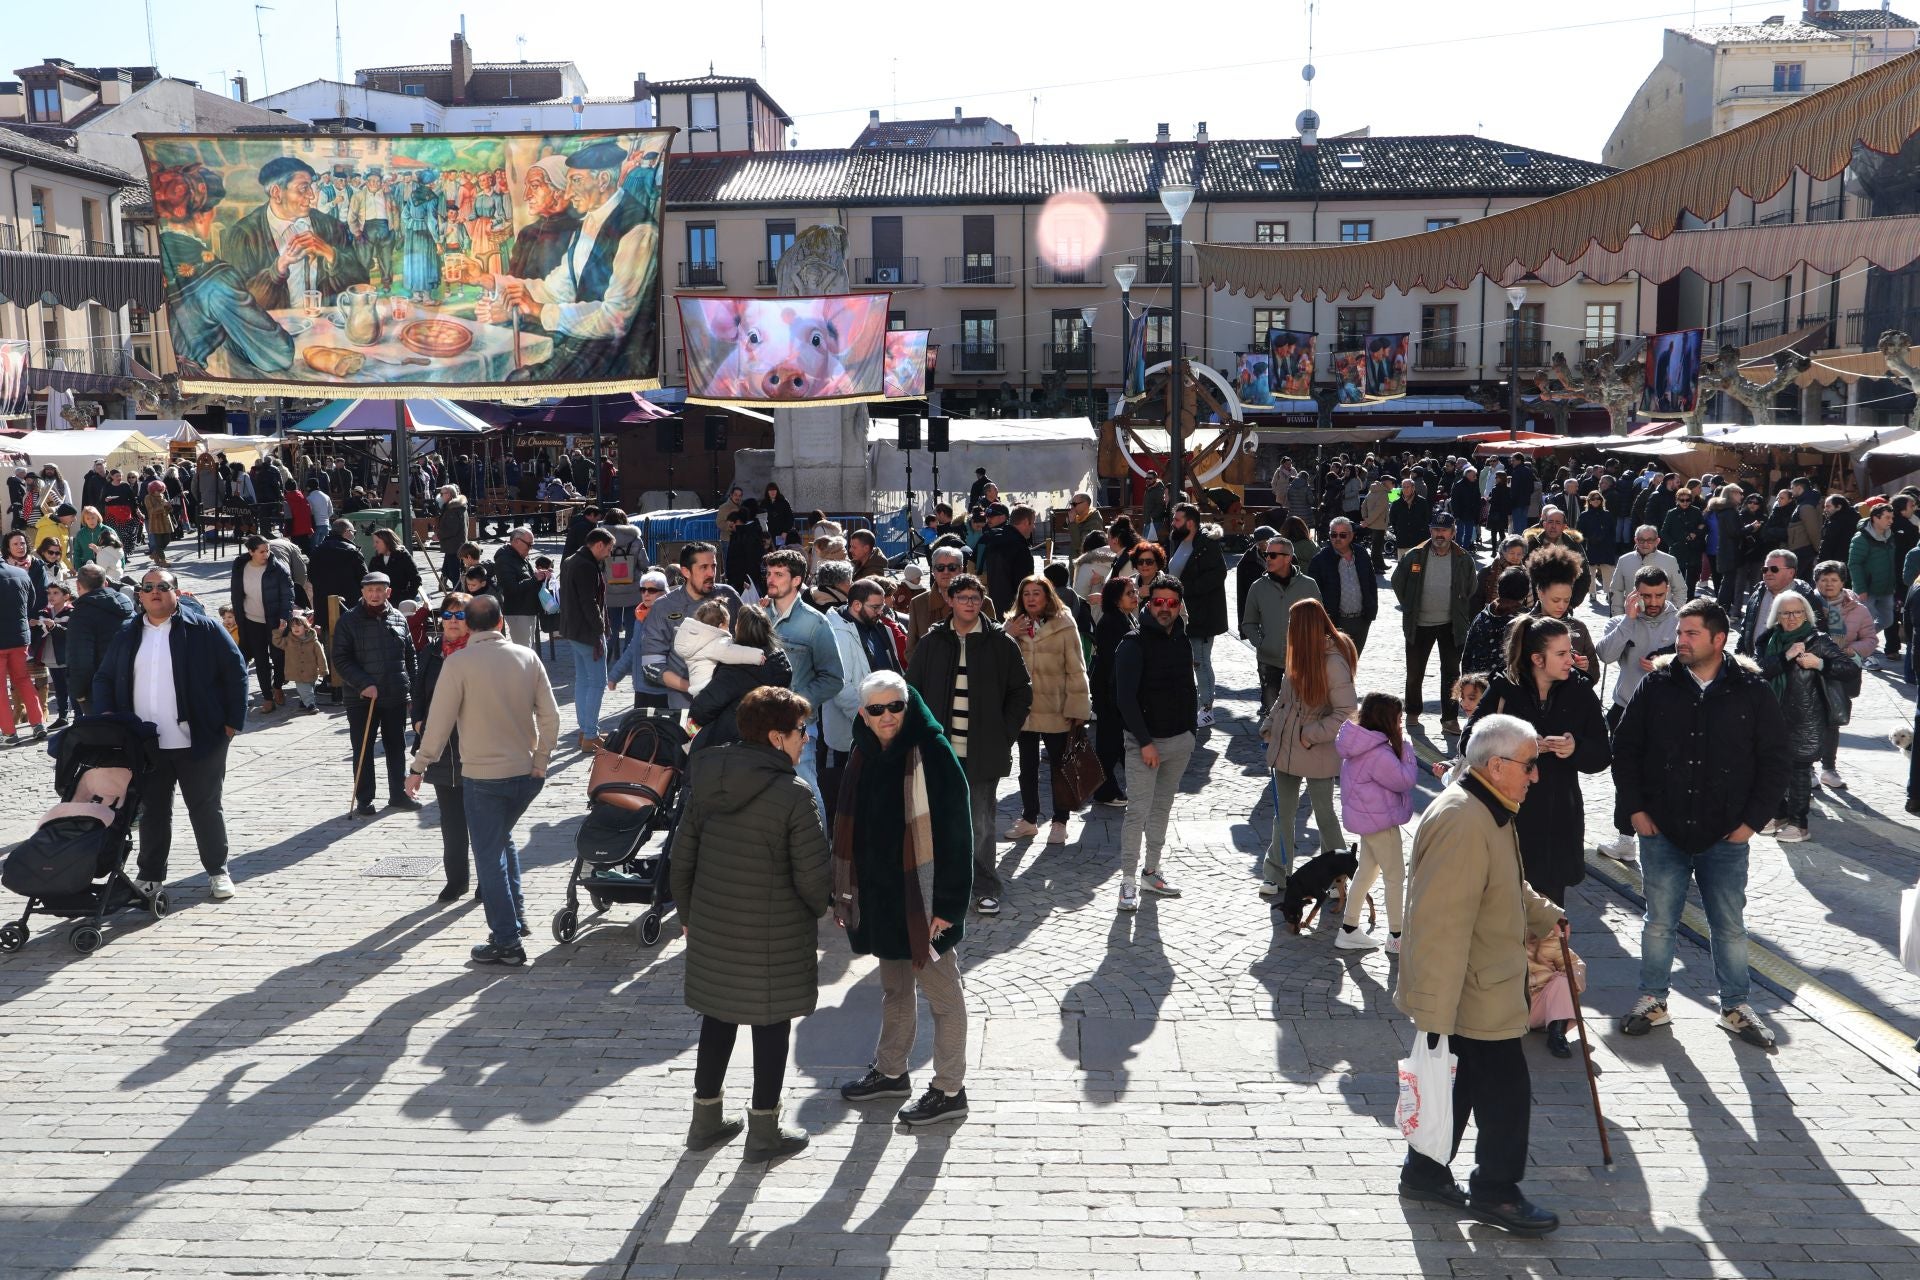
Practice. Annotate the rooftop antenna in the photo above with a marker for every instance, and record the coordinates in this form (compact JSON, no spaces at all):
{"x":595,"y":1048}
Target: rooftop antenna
{"x":339,"y":62}
{"x":896,"y":89}
{"x":1033,"y":124}
{"x":1307,"y":72}
{"x":261,"y":36}
{"x":763,"y":40}
{"x":520,"y":44}
{"x":153,"y":50}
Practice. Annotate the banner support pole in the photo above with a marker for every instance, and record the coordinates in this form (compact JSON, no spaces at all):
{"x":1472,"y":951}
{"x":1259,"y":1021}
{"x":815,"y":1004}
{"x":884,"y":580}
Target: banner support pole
{"x":402,"y":469}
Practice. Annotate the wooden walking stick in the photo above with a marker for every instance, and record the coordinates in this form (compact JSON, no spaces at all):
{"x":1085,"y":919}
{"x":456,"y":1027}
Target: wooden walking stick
{"x":1586,"y":1046}
{"x":366,"y":740}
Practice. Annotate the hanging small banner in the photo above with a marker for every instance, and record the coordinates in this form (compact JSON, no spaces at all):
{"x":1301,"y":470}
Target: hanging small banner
{"x":1673,"y":370}
{"x":1252,"y":383}
{"x":377,"y":266}
{"x":1134,"y":378}
{"x":13,"y":377}
{"x":1386,"y":365}
{"x":1290,"y":370}
{"x":827,"y":349}
{"x":906,"y":369}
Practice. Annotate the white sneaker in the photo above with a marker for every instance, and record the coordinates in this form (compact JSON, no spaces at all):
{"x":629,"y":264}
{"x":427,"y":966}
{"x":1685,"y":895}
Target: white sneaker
{"x":1021,"y":830}
{"x":1621,"y":849}
{"x":1832,"y":781}
{"x":1787,"y":833}
{"x":1355,"y":939}
{"x":1270,"y":888}
{"x":1057,"y":834}
{"x":220,"y":886}
{"x":1129,"y":896}
{"x":1770,"y":828}
{"x":1205,"y":719}
{"x":1393,"y":944}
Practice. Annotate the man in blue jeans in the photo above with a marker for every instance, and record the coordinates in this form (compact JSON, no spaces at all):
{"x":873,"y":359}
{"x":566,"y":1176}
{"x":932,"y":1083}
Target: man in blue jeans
{"x":583,"y":628}
{"x":496,"y":695}
{"x":1700,"y":763}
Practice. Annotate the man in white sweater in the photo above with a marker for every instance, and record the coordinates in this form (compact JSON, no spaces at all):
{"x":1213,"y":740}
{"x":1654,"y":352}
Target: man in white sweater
{"x":497,"y":696}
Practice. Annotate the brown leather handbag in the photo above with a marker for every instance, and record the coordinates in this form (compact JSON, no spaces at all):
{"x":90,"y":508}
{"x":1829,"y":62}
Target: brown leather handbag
{"x":1077,"y":772}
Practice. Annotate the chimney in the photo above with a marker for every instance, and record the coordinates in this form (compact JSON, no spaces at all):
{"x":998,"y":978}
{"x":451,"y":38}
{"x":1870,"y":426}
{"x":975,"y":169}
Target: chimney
{"x":873,"y":116}
{"x":239,"y":88}
{"x":1200,"y":134}
{"x":462,"y":67}
{"x":642,"y":91}
{"x":1161,"y":134}
{"x":116,"y":87}
{"x":957,"y":117}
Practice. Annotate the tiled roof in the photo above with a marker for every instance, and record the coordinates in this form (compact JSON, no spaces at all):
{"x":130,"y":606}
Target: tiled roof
{"x":446,"y":68}
{"x":1225,"y":170}
{"x":1861,"y":20}
{"x":34,"y":151}
{"x":915,"y":133}
{"x":711,"y":81}
{"x":1760,"y":33}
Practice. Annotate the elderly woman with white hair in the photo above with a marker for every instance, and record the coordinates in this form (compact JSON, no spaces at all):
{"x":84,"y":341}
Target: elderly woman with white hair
{"x":902,"y":878}
{"x":1815,"y":681}
{"x":1463,"y":971}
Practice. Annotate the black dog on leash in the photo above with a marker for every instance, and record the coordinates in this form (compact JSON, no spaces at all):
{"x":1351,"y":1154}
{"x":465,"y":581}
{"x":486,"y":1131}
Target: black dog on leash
{"x":1310,"y":882}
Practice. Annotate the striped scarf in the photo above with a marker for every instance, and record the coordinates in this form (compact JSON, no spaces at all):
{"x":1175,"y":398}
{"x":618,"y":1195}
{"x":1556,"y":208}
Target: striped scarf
{"x":916,"y":852}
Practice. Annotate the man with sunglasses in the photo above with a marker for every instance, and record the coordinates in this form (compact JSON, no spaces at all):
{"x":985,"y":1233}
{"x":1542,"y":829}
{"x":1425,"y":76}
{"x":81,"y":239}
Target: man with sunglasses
{"x":976,"y":684}
{"x":1153,"y":685}
{"x":1683,"y":531}
{"x":1778,"y":574}
{"x":178,"y":670}
{"x":1264,"y":620}
{"x":1347,"y":583}
{"x":932,"y":606}
{"x":520,"y":586}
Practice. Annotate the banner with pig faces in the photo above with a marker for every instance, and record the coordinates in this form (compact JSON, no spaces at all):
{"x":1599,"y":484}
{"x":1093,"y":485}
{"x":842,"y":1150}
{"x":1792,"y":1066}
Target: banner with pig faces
{"x":827,"y":349}
{"x":906,"y":376}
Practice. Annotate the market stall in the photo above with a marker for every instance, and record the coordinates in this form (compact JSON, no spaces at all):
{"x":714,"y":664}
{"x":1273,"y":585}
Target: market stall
{"x":71,"y":453}
{"x":1040,"y":461}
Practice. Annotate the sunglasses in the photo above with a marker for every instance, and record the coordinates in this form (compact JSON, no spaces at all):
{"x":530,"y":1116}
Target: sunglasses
{"x":1278,"y":555}
{"x":946,"y":568}
{"x":878,"y":709}
{"x":1164,"y":602}
{"x":146,"y":588}
{"x":457,"y":614}
{"x":653,"y":591}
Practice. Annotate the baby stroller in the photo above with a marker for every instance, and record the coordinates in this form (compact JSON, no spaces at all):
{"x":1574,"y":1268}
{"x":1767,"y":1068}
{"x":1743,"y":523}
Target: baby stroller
{"x":74,"y":865}
{"x":632,"y":791}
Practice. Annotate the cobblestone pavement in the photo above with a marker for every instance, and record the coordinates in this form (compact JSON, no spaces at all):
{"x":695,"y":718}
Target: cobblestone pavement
{"x":309,"y":1080}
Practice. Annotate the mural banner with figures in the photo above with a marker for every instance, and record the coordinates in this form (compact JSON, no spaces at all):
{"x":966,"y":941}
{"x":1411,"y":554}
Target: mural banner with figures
{"x":906,"y":368}
{"x":377,"y":266}
{"x":1673,"y":370}
{"x":1290,"y":364}
{"x":824,"y":349}
{"x":1386,"y":366}
{"x":1252,"y":383}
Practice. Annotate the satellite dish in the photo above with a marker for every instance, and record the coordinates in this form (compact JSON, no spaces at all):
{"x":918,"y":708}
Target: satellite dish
{"x":1307,"y":72}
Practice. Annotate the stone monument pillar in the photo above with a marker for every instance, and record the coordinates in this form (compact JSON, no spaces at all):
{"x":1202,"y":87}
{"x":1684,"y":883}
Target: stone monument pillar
{"x":820,"y":453}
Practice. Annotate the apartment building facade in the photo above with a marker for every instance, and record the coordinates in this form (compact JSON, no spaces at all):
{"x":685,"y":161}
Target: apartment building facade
{"x":960,"y":237}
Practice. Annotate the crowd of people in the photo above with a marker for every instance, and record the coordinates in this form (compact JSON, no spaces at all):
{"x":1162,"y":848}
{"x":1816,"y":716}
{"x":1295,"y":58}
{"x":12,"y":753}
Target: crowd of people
{"x":853,"y":720}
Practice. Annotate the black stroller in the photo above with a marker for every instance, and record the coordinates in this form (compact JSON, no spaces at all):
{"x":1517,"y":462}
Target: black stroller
{"x":74,"y":865}
{"x":633,"y":790}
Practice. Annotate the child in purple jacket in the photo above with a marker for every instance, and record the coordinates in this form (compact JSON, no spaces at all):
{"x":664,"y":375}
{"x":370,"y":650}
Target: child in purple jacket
{"x":1377,"y":775}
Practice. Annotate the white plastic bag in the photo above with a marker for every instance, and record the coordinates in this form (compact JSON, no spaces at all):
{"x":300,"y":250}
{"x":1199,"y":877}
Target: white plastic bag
{"x":1910,"y":930}
{"x":1425,"y":1111}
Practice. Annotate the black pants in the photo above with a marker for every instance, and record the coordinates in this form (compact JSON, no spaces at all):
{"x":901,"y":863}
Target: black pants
{"x":256,"y":646}
{"x":1798,"y":802}
{"x":1913,"y":764}
{"x":1615,"y":711}
{"x":1830,"y":746}
{"x":1271,"y":678}
{"x":769,"y":1060}
{"x":1493,"y":1087}
{"x":453,"y":834}
{"x":61,"y":704}
{"x":1356,"y":626}
{"x":1419,"y":648}
{"x":200,"y":782}
{"x":390,"y":722}
{"x":1110,"y":748}
{"x":1030,"y":772}
{"x":450,"y":570}
{"x":1376,"y":540}
{"x":830,"y":765}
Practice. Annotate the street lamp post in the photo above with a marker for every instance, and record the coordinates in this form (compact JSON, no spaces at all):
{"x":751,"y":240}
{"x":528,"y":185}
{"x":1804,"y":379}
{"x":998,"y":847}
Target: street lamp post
{"x":1123,"y":274}
{"x":1087,"y":315}
{"x":1516,"y":296}
{"x":1176,"y":198}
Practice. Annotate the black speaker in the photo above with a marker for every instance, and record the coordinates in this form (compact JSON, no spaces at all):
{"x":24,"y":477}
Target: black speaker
{"x":909,"y":431}
{"x":936,"y":435}
{"x":716,"y":433}
{"x":667,"y":437}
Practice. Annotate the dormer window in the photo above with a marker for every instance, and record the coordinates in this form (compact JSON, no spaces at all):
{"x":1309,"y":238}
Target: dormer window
{"x":46,"y":105}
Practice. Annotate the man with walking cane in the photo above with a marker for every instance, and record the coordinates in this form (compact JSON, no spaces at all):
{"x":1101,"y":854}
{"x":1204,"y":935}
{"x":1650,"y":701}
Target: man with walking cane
{"x":373,"y":652}
{"x":1463,"y":972}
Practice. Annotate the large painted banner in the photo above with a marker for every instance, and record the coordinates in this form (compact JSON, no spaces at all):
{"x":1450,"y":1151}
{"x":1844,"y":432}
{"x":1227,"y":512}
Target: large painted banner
{"x":1290,"y":370}
{"x":1253,"y":382}
{"x":826,"y":349}
{"x":377,"y":266}
{"x":1133,"y":375}
{"x":908,"y":354}
{"x":1673,"y":370}
{"x":1386,"y":367}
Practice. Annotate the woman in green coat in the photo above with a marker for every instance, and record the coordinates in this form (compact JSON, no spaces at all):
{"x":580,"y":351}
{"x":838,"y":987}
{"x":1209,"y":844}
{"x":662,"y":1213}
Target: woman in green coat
{"x":750,"y":877}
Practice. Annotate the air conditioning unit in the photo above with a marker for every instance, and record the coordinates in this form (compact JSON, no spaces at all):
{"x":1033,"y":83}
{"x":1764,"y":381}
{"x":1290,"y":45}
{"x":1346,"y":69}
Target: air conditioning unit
{"x":886,"y":275}
{"x":1825,"y":6}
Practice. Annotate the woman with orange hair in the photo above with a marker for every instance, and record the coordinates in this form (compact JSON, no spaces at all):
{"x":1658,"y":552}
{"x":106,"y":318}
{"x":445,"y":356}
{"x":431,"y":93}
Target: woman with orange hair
{"x":1315,"y":699}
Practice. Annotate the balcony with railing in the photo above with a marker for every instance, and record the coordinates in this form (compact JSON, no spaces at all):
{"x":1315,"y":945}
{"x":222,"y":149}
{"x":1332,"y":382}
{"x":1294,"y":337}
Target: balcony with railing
{"x":1773,"y":217}
{"x":767,"y":275}
{"x":1534,"y":353}
{"x":1855,"y":323}
{"x":1439,"y":354}
{"x":1069,"y":356}
{"x":1756,"y":93}
{"x":1730,"y":335}
{"x":1049,"y":275}
{"x":1824,"y":210}
{"x":884,"y":272}
{"x":45,"y":241}
{"x":1821,"y":340}
{"x":1761,"y":330}
{"x":978,"y":357}
{"x":980,"y":270}
{"x":1157,"y":268}
{"x":1160,"y":353}
{"x":702,"y":275}
{"x":108,"y":357}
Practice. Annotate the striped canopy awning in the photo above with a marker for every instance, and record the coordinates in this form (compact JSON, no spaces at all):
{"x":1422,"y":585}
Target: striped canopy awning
{"x":1626,"y":222}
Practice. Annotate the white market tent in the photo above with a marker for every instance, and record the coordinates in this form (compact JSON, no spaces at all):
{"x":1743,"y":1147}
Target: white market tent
{"x":71,"y":453}
{"x":1040,"y":461}
{"x":1820,"y":437}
